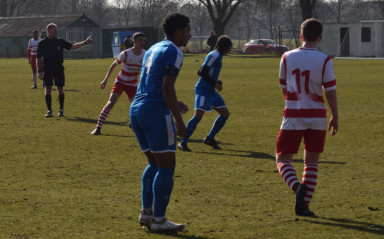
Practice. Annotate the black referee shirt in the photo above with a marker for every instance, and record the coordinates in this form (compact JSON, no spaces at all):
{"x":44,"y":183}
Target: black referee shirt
{"x":51,"y":50}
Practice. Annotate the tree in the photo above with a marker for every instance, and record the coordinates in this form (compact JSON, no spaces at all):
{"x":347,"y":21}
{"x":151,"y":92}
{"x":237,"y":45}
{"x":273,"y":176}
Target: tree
{"x":293,"y":14}
{"x":44,"y":7}
{"x":78,"y":6}
{"x":198,"y":15}
{"x":360,"y":10}
{"x":220,"y":12}
{"x":150,"y":13}
{"x":324,"y":12}
{"x":13,"y":8}
{"x":3,"y":8}
{"x":307,"y":7}
{"x":272,"y":11}
{"x":338,"y":6}
{"x":249,"y":12}
{"x":379,"y":6}
{"x":121,"y":11}
{"x":99,"y":10}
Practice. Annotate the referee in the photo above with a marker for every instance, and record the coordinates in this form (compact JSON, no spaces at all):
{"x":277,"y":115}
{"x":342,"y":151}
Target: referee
{"x":51,"y":50}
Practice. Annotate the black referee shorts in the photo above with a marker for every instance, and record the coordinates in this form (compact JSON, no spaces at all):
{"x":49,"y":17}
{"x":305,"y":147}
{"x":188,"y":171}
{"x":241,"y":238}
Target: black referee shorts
{"x":56,"y":77}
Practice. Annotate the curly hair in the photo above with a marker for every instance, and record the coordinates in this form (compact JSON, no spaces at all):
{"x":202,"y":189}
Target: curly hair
{"x":174,"y":21}
{"x":223,"y":44}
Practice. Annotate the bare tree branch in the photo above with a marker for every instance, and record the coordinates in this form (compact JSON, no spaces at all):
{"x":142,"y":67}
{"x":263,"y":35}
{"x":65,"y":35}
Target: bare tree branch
{"x":220,"y":12}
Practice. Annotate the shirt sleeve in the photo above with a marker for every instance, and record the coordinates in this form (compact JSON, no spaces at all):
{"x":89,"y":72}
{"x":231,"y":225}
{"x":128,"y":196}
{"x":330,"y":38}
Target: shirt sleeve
{"x":40,"y":50}
{"x":283,"y":72}
{"x":65,"y":44}
{"x":210,"y":61}
{"x":29,"y":49}
{"x":329,"y":81}
{"x":122,"y":57}
{"x":173,"y":57}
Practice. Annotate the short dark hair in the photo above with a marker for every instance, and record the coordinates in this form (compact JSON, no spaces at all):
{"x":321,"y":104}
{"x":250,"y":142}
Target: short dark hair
{"x":35,"y":31}
{"x":174,"y":21}
{"x":223,"y":44}
{"x":311,"y":29}
{"x":137,"y":35}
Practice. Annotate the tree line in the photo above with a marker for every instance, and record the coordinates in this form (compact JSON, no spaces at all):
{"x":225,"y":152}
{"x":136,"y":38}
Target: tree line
{"x":243,"y":17}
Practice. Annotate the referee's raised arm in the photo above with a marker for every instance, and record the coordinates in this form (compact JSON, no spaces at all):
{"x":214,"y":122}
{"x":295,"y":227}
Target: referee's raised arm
{"x":82,"y":43}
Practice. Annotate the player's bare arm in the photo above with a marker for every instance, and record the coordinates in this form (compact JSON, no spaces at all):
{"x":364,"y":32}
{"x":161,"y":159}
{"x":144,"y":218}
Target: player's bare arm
{"x":334,"y":121}
{"x":169,"y":94}
{"x":204,"y":72}
{"x":110,"y":71}
{"x":83,"y":43}
{"x":284,"y":91}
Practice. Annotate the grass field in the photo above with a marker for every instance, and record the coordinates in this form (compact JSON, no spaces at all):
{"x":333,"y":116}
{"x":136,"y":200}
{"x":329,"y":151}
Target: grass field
{"x":58,"y":181}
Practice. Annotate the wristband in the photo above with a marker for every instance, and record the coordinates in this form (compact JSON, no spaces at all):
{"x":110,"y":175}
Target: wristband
{"x":85,"y":43}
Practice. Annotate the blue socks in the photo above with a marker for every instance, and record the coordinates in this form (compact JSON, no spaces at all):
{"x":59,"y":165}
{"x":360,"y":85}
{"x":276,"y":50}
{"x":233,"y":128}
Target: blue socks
{"x":162,"y":189}
{"x":191,"y":126}
{"x":147,"y":182}
{"x":217,"y":126}
{"x":157,"y":185}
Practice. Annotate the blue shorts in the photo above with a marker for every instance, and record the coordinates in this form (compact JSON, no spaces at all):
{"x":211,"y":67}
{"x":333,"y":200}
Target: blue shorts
{"x":155,"y":133}
{"x":207,"y":101}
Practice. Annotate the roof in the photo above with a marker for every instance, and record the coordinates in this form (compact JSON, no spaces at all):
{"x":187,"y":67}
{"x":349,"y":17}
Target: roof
{"x":357,"y":22}
{"x":23,"y":26}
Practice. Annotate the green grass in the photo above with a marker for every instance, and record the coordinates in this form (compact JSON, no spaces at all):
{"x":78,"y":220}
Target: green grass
{"x":58,"y":181}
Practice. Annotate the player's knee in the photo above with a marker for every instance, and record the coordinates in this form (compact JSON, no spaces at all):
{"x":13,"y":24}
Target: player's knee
{"x":281,"y":158}
{"x":199,"y":114}
{"x":110,"y":104}
{"x":226,"y":114}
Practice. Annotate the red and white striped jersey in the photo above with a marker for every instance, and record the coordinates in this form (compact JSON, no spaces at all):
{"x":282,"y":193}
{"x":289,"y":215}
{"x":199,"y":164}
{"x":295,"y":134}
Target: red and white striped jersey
{"x":304,"y":73}
{"x":32,"y":47}
{"x":131,"y":67}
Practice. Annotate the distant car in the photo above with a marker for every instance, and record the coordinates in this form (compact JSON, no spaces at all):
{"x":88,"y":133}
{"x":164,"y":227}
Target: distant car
{"x":260,"y":46}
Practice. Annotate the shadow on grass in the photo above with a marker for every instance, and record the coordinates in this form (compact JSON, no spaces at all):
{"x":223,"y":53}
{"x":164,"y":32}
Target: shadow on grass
{"x":248,"y":153}
{"x":253,"y":154}
{"x":180,"y":235}
{"x":71,"y":90}
{"x":94,"y":121}
{"x":115,"y":135}
{"x":350,"y":224}
{"x":255,"y":56}
{"x":320,"y":162}
{"x":201,"y":141}
{"x":244,"y":154}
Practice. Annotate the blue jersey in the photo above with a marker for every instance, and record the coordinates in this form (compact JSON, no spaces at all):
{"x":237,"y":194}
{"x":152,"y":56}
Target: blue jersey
{"x":214,"y":62}
{"x":149,"y":99}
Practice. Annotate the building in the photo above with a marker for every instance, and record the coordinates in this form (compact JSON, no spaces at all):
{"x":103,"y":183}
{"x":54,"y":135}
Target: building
{"x":16,"y":31}
{"x":364,"y":39}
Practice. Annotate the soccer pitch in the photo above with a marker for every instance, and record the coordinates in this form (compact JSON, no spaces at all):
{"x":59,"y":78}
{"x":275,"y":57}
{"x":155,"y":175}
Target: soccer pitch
{"x":58,"y":181}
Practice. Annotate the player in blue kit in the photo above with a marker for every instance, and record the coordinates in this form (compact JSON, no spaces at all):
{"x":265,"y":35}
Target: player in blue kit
{"x":206,"y":97}
{"x":151,"y":116}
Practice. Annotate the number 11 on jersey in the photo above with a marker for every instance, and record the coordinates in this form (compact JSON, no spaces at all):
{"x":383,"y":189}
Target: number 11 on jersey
{"x":305,"y":74}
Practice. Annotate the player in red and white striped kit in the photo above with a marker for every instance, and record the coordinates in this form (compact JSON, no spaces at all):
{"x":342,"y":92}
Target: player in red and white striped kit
{"x":304,"y":73}
{"x":32,"y":53}
{"x":126,"y":80}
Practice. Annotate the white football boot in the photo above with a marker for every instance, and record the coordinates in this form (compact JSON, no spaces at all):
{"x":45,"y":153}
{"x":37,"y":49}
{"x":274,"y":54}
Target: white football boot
{"x":145,"y":218}
{"x":165,"y":225}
